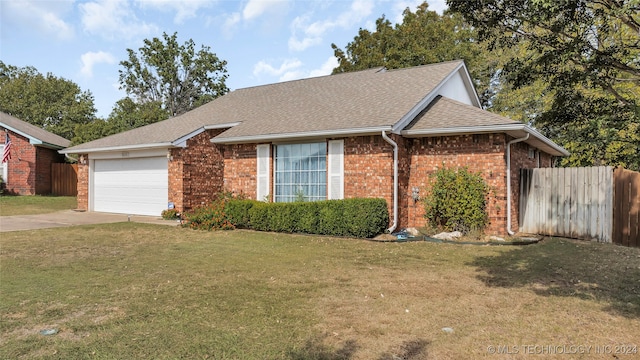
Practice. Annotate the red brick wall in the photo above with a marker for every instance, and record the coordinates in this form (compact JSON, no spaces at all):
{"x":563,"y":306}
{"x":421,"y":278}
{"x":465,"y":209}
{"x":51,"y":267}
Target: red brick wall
{"x":207,"y":169}
{"x":479,"y":153}
{"x":83,"y":182}
{"x":29,"y":169}
{"x":22,"y":165}
{"x":240,"y":166}
{"x":196,"y":172}
{"x":368,"y":170}
{"x":368,"y":167}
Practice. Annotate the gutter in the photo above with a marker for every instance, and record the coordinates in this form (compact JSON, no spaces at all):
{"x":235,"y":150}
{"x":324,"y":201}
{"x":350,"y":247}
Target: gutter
{"x":299,"y":135}
{"x":394,"y":225}
{"x":116,"y":148}
{"x":487,"y":129}
{"x":524,"y":138}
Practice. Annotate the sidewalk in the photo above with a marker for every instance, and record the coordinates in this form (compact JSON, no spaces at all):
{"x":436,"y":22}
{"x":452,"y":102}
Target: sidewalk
{"x":72,"y":218}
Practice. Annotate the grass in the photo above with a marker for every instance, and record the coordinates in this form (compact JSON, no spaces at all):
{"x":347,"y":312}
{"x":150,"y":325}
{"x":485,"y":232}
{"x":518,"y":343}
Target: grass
{"x":143,"y":291}
{"x":36,"y":204}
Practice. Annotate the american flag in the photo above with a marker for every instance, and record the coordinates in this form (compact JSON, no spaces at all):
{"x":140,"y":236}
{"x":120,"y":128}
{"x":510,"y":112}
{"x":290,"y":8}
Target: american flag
{"x":6,"y":154}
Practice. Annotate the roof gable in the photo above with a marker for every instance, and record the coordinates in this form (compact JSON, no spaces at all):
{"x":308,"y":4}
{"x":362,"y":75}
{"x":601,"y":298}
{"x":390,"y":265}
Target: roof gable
{"x":445,"y":117}
{"x":36,"y":135}
{"x":334,"y":105}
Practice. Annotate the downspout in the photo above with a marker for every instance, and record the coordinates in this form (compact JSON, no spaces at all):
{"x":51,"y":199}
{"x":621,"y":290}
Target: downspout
{"x":395,"y":181}
{"x":509,"y":181}
{"x":70,"y":158}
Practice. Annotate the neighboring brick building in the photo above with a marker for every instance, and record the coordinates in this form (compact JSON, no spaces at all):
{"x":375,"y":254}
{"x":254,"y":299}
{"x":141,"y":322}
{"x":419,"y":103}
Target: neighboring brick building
{"x":331,"y":137}
{"x":33,"y":150}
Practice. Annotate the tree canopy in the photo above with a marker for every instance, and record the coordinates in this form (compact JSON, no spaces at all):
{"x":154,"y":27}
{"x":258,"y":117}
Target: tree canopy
{"x":55,"y":104}
{"x":176,"y":76}
{"x":423,"y":37}
{"x":126,"y":115}
{"x":582,"y":55}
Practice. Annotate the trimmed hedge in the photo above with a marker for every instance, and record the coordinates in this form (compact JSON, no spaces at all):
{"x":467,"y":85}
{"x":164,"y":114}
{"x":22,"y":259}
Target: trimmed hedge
{"x":357,"y":217}
{"x":237,"y":211}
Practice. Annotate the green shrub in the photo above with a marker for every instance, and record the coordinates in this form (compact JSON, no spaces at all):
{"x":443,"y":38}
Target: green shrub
{"x":457,"y":200}
{"x":170,"y":214}
{"x":350,"y":217}
{"x":259,"y":217}
{"x":209,"y":217}
{"x":308,"y":217}
{"x":364,"y":217}
{"x":237,"y":211}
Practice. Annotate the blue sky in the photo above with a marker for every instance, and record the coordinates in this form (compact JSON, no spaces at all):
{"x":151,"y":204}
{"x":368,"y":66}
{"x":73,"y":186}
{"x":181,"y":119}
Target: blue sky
{"x":263,"y":41}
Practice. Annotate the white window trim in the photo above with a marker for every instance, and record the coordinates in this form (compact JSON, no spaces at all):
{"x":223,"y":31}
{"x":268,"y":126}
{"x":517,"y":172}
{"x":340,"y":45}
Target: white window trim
{"x":5,"y":166}
{"x":263,"y":173}
{"x":335,"y":169}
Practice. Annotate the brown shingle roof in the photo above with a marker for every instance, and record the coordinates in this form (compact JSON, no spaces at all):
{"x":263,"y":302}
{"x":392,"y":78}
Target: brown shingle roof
{"x":445,"y":113}
{"x":364,"y":99}
{"x":48,"y":139}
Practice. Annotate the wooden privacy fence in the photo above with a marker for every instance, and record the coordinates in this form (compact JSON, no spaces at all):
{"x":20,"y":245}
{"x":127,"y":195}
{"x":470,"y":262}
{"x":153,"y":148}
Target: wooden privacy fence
{"x":594,"y":203}
{"x":626,"y":210}
{"x":569,"y":202}
{"x":64,"y":179}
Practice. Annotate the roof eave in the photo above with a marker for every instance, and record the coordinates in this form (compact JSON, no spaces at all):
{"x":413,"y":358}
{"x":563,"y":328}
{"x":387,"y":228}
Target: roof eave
{"x":32,"y":140}
{"x":50,"y":146}
{"x":117,"y":148}
{"x":516,"y":130}
{"x":300,"y":135}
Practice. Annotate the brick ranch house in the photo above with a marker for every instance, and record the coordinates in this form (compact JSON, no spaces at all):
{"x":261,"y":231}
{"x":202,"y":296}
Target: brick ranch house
{"x":373,"y":133}
{"x":33,"y":150}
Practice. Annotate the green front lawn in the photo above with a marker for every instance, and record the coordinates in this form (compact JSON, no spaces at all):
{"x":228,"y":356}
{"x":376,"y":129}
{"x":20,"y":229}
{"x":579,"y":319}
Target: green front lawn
{"x":125,"y":291}
{"x":37,"y":204}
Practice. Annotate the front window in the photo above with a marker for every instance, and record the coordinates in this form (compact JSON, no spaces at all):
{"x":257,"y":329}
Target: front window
{"x":301,"y":172}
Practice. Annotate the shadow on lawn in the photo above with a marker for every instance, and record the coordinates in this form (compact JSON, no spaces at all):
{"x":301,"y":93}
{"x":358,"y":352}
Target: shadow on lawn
{"x":315,"y":349}
{"x":572,"y":268}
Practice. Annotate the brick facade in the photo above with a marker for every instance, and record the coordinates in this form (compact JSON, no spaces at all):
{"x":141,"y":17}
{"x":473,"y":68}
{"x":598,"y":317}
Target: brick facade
{"x":196,"y":171}
{"x":83,"y":182}
{"x":203,"y":169}
{"x":29,"y":169}
{"x":240,"y":166}
{"x":368,"y":170}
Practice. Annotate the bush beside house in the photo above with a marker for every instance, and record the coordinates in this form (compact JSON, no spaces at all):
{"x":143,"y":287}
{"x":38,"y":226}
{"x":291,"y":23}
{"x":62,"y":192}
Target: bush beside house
{"x":359,"y":217}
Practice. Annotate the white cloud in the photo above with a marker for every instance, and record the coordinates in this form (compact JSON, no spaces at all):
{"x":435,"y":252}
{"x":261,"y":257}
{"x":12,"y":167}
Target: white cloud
{"x":231,"y":21}
{"x":256,"y":8}
{"x":326,"y":68}
{"x":184,"y":10}
{"x":113,"y":19}
{"x":312,"y":33}
{"x":44,"y":16}
{"x":92,"y":58}
{"x":287,"y":66}
{"x":292,"y":69}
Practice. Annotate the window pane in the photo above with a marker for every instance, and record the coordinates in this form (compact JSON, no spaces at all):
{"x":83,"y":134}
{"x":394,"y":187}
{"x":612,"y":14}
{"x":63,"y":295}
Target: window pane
{"x":300,"y":171}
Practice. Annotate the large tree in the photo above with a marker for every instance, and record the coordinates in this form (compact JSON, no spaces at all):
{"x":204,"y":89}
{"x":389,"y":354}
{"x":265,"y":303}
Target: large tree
{"x":177,"y":76}
{"x":126,"y":115}
{"x":583,"y":55}
{"x":47,"y":101}
{"x":423,"y":37}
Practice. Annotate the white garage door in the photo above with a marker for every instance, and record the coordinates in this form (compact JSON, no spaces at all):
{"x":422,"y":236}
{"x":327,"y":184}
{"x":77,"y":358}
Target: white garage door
{"x":131,"y":186}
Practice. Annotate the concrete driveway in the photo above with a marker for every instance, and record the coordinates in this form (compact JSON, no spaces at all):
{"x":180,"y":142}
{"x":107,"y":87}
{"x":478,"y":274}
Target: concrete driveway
{"x":72,"y":218}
